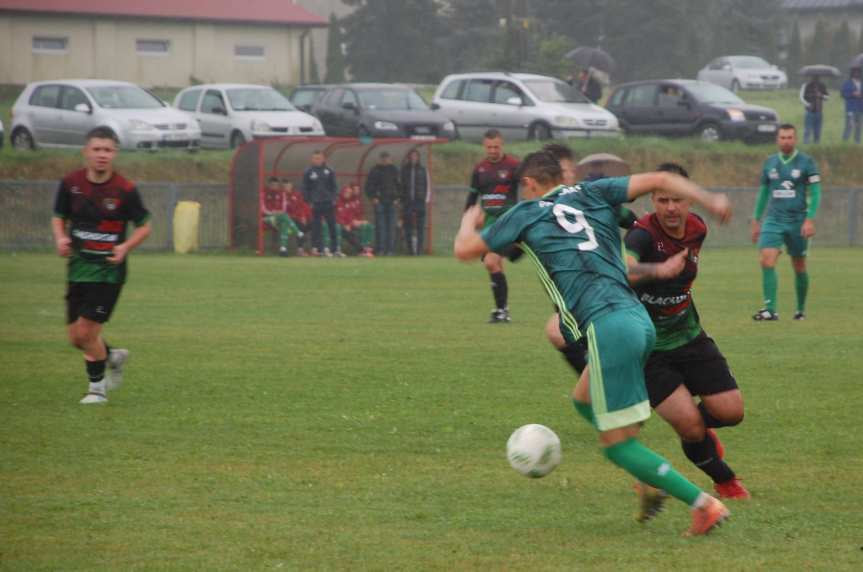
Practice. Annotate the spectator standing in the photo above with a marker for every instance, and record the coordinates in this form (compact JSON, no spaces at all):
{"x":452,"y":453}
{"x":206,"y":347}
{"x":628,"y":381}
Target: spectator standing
{"x":852,"y":93}
{"x":813,"y":93}
{"x":320,"y":190}
{"x":382,"y":189}
{"x":414,"y":180}
{"x":589,"y":86}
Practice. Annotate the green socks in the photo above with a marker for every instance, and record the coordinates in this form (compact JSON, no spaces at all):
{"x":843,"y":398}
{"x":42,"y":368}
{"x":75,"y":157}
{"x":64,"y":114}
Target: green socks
{"x":585,"y":410}
{"x":801,"y":284}
{"x":769,"y":284}
{"x":650,"y":468}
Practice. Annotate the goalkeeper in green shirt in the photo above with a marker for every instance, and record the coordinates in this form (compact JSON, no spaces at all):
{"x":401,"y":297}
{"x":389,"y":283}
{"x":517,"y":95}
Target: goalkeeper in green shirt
{"x":790,"y":193}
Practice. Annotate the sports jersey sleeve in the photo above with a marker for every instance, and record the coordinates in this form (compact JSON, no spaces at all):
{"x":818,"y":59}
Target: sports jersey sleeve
{"x":473,"y":192}
{"x":813,"y":189}
{"x":61,"y":201}
{"x":625,"y":217}
{"x":613,"y":189}
{"x":505,"y":231}
{"x":761,"y":200}
{"x":637,"y":242}
{"x":135,"y":210}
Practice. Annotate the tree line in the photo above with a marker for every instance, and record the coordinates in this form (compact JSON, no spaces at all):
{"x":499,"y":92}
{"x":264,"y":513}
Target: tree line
{"x":423,"y":40}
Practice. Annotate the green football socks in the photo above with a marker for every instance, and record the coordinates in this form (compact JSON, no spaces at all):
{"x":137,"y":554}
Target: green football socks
{"x":801,"y":284}
{"x":650,"y":468}
{"x":769,"y":283}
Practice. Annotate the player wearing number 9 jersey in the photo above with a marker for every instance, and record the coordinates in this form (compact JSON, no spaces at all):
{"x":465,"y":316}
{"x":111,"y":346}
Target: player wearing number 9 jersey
{"x":571,"y":235}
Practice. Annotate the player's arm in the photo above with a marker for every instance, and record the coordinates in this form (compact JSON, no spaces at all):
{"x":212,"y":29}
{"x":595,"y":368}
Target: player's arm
{"x":813,"y":200}
{"x":473,"y":193}
{"x":639,"y":243}
{"x":61,"y":239}
{"x":469,"y":245}
{"x":716,"y":204}
{"x":141,"y":218}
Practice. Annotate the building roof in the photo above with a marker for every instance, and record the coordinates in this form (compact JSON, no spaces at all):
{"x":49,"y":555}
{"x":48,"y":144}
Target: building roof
{"x":809,"y":5}
{"x":272,"y":12}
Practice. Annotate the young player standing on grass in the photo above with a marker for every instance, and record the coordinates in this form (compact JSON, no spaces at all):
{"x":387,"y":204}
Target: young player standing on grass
{"x":662,"y":257}
{"x":571,"y":234}
{"x":91,"y":210}
{"x":790,"y":191}
{"x":494,"y":186}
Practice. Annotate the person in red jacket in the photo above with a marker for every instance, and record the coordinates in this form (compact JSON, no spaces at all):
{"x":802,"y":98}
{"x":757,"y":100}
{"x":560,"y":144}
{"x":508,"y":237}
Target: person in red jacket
{"x":300,"y":212}
{"x":274,"y":208}
{"x":352,"y":224}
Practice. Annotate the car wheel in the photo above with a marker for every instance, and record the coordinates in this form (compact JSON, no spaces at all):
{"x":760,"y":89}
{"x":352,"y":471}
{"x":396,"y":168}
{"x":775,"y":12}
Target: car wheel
{"x":539,"y":132}
{"x":237,"y":139}
{"x":735,"y":86}
{"x":710,"y":132}
{"x":22,"y":140}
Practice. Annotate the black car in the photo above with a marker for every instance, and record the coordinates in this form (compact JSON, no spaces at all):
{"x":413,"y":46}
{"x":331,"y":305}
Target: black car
{"x":379,"y":110}
{"x":689,"y":107}
{"x":303,"y":97}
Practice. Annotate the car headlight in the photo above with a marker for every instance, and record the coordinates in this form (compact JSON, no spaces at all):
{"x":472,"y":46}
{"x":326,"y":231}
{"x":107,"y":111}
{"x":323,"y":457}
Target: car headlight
{"x":259,"y":126}
{"x":567,"y":121}
{"x":449,"y":126}
{"x":386,"y":126}
{"x":736,"y":115}
{"x":318,"y":126}
{"x":139,"y":125}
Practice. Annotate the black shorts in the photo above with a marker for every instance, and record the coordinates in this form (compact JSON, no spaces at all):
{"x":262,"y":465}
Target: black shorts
{"x":91,"y":300}
{"x":699,"y":365}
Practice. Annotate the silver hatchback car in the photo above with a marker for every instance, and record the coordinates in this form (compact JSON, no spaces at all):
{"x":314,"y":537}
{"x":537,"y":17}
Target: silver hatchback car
{"x":60,"y":113}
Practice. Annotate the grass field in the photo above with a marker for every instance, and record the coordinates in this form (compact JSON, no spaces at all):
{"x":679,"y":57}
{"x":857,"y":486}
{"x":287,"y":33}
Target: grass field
{"x":306,"y":414}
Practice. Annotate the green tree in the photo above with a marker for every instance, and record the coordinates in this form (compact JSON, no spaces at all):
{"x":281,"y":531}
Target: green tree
{"x":314,"y":73}
{"x":335,"y":56}
{"x":794,"y":61}
{"x":474,"y":37}
{"x":818,"y":51}
{"x":841,"y":46}
{"x":389,"y":40}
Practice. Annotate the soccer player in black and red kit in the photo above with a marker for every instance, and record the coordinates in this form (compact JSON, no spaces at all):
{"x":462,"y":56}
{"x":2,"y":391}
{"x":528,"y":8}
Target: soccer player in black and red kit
{"x":91,"y":210}
{"x":494,"y":185}
{"x":662,"y":256}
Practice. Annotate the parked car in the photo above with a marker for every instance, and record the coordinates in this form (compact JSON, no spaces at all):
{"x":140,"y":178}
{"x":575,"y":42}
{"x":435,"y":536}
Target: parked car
{"x":520,"y":106}
{"x":303,"y":97}
{"x":690,"y":107}
{"x":380,"y":110}
{"x":231,"y":114}
{"x":743,"y":72}
{"x":60,"y":113}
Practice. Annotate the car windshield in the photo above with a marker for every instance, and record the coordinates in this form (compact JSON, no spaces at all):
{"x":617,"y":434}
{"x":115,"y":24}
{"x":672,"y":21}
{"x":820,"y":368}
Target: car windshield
{"x":123,"y":97}
{"x":554,"y":91}
{"x":711,"y":93}
{"x":750,"y":62}
{"x":305,"y":96}
{"x":392,"y":100}
{"x":255,"y":99}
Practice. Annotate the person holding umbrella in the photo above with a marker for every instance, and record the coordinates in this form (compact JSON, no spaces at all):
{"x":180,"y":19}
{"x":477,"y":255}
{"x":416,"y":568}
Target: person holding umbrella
{"x":813,"y":93}
{"x":852,"y":93}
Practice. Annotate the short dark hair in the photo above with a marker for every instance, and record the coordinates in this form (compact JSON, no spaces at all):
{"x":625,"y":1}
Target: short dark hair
{"x":671,"y":167}
{"x":101,"y":133}
{"x":559,"y":151}
{"x":492,"y":134}
{"x":787,"y":127}
{"x":541,"y":166}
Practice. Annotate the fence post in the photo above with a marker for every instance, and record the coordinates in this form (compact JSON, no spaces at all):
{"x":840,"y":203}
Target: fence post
{"x":852,"y":216}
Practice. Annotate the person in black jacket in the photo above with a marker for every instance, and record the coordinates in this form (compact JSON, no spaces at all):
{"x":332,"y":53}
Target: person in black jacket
{"x":320,"y":191}
{"x":414,"y":184}
{"x":812,"y":94}
{"x":382,"y":189}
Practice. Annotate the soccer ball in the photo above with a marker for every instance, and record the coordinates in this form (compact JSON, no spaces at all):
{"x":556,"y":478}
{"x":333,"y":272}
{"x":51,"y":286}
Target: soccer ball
{"x":533,"y":450}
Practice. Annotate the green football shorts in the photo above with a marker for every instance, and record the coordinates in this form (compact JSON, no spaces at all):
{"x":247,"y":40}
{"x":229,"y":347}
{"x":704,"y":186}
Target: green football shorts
{"x":619,"y":344}
{"x":775,"y":234}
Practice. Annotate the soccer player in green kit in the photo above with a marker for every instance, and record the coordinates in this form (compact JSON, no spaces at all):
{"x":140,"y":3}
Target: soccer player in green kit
{"x":494,"y":186}
{"x":91,"y":211}
{"x":572,"y":236}
{"x":790,"y":192}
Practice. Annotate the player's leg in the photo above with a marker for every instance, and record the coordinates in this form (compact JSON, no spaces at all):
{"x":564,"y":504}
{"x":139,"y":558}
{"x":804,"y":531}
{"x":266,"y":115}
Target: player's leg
{"x":420,"y":227}
{"x":88,"y":307}
{"x":619,"y":344}
{"x":797,"y":250}
{"x":317,"y":230}
{"x":574,"y":352}
{"x":769,"y":242}
{"x":500,"y":291}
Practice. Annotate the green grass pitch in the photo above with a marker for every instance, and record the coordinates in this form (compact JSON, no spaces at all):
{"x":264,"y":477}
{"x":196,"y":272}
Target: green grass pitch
{"x":306,"y":414}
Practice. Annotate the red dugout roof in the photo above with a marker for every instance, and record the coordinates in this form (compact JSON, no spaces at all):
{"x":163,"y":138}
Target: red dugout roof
{"x":258,"y":11}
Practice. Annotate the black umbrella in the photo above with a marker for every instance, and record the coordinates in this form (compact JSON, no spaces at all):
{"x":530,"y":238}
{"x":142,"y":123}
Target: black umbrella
{"x":587,"y":57}
{"x":600,"y":165}
{"x":857,"y":62}
{"x":819,"y":70}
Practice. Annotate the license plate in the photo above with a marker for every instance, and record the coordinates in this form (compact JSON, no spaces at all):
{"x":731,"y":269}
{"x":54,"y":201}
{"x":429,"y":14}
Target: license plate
{"x":767,"y":128}
{"x":173,"y":136}
{"x":422,"y":137}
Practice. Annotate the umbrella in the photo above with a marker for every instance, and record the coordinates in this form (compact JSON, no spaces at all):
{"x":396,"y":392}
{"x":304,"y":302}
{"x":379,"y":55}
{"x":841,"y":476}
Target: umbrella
{"x":857,"y":62}
{"x":819,"y":70}
{"x":601,"y":165}
{"x":587,"y":57}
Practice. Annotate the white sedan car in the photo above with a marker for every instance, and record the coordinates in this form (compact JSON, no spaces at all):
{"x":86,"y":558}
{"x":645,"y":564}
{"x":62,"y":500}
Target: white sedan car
{"x":231,"y":114}
{"x":743,"y":72}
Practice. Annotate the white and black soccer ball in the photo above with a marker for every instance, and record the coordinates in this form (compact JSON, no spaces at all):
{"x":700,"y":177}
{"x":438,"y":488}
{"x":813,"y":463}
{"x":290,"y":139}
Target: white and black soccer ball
{"x":533,"y":450}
